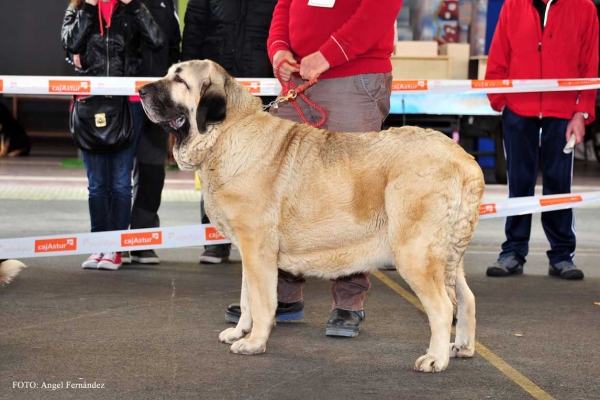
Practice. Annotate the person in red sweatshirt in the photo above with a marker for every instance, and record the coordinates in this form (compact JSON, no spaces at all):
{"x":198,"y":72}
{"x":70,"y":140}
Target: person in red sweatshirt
{"x":346,"y":45}
{"x":542,"y":39}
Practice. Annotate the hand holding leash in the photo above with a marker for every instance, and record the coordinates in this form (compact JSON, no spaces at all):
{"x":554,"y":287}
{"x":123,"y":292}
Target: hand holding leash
{"x":291,"y":91}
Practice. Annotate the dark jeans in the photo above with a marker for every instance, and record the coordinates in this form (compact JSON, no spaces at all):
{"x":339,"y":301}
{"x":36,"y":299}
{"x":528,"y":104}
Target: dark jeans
{"x":148,"y":174}
{"x":109,"y":183}
{"x":524,"y":149}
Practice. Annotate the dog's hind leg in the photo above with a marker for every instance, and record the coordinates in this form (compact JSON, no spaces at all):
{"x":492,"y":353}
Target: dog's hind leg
{"x":260,"y":272}
{"x":244,"y":325}
{"x":464,"y":343}
{"x":424,"y":271}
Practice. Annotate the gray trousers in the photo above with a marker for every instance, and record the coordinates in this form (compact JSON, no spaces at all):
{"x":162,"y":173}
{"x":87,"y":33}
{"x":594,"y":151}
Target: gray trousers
{"x":357,"y":103}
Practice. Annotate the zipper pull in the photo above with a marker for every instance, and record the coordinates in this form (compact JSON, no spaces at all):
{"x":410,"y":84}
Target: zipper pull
{"x":539,"y":46}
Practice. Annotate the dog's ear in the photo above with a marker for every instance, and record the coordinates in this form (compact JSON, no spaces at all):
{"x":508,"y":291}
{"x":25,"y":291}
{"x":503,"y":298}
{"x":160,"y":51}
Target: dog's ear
{"x":212,"y":107}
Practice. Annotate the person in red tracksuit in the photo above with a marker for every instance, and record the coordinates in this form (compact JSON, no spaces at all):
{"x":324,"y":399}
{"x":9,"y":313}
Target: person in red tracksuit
{"x":542,"y":39}
{"x":347,"y":44}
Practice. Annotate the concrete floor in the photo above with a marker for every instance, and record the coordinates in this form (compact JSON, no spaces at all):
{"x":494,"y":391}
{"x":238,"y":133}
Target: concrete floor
{"x":151,"y":332}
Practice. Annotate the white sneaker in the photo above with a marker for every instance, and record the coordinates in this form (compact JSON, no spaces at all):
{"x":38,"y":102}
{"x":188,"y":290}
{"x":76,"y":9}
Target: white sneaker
{"x":110,"y":261}
{"x":92,"y":261}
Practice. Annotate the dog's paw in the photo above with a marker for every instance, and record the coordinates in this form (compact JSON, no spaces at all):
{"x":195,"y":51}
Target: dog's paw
{"x":247,"y":346}
{"x":431,"y":363}
{"x":231,"y":335}
{"x":461,"y":351}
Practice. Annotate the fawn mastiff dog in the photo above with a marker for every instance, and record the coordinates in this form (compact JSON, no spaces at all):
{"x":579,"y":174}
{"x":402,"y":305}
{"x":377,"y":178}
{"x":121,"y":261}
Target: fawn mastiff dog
{"x":324,"y":204}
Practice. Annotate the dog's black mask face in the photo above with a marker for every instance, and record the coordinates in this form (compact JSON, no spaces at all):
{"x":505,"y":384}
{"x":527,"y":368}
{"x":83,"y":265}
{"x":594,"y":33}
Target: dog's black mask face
{"x":160,"y":107}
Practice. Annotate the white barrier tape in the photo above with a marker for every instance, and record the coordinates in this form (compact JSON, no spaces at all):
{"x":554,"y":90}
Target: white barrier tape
{"x":197,"y":235}
{"x":535,"y":204}
{"x":68,"y":85}
{"x":129,"y":240}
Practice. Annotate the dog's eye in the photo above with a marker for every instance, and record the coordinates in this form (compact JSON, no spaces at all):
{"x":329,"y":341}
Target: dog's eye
{"x":178,"y":79}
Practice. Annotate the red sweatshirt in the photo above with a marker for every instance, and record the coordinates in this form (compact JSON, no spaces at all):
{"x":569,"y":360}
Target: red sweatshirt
{"x":567,"y":48}
{"x":354,"y":36}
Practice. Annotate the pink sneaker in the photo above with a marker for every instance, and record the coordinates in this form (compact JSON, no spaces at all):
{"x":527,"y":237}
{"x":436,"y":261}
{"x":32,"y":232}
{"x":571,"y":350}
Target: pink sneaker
{"x":92,"y":261}
{"x":110,"y":261}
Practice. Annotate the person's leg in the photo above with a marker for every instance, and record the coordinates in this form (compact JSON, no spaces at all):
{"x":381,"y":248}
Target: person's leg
{"x":97,"y":168}
{"x":148,"y":175}
{"x":521,"y":146}
{"x":121,"y":169}
{"x":98,"y":173}
{"x":148,"y":182}
{"x":354,"y":104}
{"x":559,"y":226}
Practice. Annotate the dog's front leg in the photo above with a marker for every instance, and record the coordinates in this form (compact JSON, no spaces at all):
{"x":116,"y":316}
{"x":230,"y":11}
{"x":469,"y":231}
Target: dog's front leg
{"x":259,"y":264}
{"x":244,"y":325}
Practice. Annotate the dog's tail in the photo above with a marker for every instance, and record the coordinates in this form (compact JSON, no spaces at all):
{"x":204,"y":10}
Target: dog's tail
{"x":464,"y":226}
{"x":9,"y":269}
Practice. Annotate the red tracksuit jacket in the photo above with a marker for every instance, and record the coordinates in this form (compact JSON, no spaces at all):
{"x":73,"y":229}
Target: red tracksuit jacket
{"x":354,"y":36}
{"x":567,"y":48}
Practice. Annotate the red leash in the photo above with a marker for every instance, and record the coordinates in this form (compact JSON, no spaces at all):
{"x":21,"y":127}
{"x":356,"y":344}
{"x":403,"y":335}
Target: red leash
{"x":292,"y":91}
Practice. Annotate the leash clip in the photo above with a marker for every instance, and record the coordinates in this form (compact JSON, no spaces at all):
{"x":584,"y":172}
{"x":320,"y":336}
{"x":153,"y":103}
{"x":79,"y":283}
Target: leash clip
{"x":291,"y":95}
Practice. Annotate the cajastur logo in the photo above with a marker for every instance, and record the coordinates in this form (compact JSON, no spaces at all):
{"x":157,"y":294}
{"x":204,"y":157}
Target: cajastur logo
{"x":1,"y":85}
{"x":491,"y":83}
{"x":578,"y":82}
{"x":60,"y":244}
{"x":487,"y":209}
{"x":139,"y":239}
{"x":61,"y":86}
{"x":560,"y":200}
{"x":252,"y":86}
{"x":213,"y":234}
{"x":409,"y":85}
{"x":139,"y":84}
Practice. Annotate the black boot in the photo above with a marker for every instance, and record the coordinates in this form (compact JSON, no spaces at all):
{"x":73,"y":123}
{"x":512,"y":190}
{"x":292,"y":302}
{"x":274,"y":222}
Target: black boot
{"x":344,"y":323}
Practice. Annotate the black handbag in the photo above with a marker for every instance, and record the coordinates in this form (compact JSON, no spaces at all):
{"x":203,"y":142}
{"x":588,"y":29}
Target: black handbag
{"x":102,"y":124}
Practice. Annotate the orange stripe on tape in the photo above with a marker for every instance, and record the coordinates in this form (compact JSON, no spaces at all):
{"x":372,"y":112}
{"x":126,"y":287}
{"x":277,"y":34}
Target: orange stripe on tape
{"x":491,"y":83}
{"x":213,"y":234}
{"x":69,"y":86}
{"x":58,"y":244}
{"x":252,"y":86}
{"x":410,"y":85}
{"x":560,"y":200}
{"x":489,"y":208}
{"x":574,"y":82}
{"x":138,"y":239}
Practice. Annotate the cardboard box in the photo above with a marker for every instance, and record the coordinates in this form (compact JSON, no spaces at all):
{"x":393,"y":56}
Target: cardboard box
{"x":459,"y":54}
{"x":420,"y":67}
{"x":416,"y":49}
